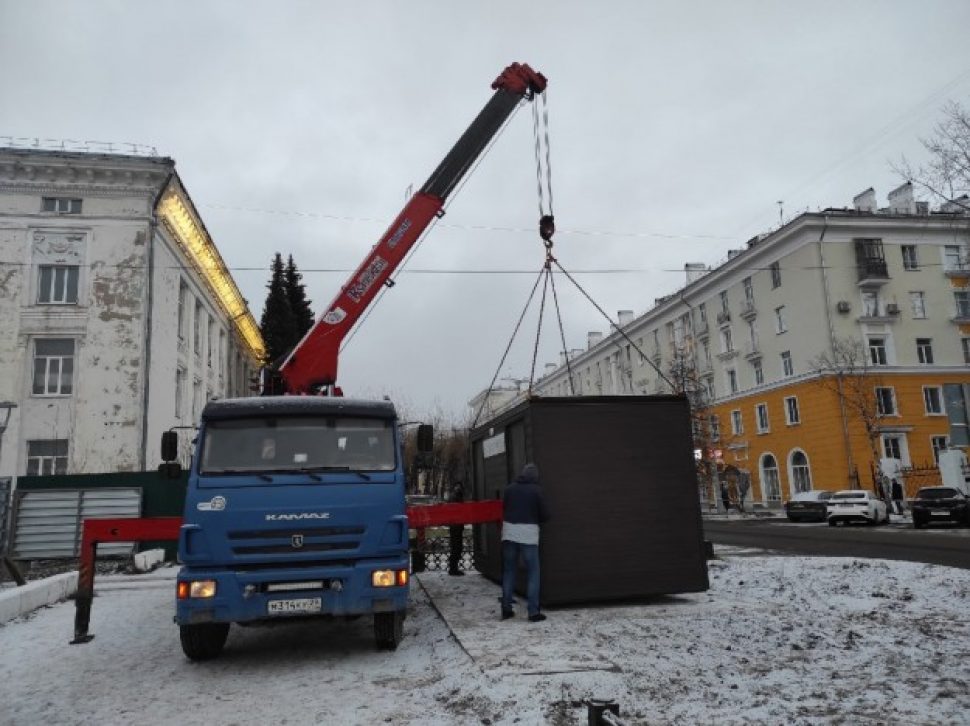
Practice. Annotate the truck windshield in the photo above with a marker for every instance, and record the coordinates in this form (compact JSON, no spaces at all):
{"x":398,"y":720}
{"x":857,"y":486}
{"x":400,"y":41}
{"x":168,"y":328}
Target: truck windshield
{"x":298,"y":443}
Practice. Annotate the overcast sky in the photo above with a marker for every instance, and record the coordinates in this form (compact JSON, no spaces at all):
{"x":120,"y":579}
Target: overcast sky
{"x":675,"y":129}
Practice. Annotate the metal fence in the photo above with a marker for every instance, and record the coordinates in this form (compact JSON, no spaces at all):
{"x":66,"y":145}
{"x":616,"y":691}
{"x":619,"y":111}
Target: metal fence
{"x":6,"y":486}
{"x":434,"y":553}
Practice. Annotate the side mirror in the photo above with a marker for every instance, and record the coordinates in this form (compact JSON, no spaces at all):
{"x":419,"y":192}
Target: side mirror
{"x":425,"y":438}
{"x":170,"y":446}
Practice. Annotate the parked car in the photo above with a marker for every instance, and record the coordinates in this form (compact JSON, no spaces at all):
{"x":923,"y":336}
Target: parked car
{"x":940,"y":504}
{"x":810,"y":506}
{"x":856,"y":505}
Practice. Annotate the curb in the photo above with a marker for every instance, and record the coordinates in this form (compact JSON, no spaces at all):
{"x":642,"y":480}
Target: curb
{"x":18,"y":601}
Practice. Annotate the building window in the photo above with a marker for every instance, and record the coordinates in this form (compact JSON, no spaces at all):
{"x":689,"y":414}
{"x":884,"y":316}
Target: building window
{"x":965,"y":342}
{"x":748,"y":290}
{"x":761,"y":414}
{"x":737,"y":423}
{"x":732,"y":376}
{"x":917,"y":303}
{"x":939,"y":444}
{"x":183,"y":313}
{"x":933,"y":400}
{"x":209,"y":344}
{"x":724,"y":303}
{"x":775,"y":275}
{"x":706,"y":349}
{"x":801,"y":475}
{"x":640,"y":357}
{"x":196,"y":399}
{"x":885,"y":401}
{"x":877,"y":350}
{"x":769,"y":478}
{"x":910,"y":259}
{"x":792,"y":416}
{"x":58,"y":284}
{"x":60,"y":205}
{"x":709,"y":385}
{"x":47,"y":457}
{"x":952,"y":260}
{"x":180,"y":375}
{"x":197,"y":341}
{"x":702,"y":311}
{"x":787,"y":367}
{"x":53,"y":367}
{"x":962,"y":300}
{"x":870,"y":303}
{"x":894,"y":447}
{"x":715,"y":426}
{"x":924,"y":350}
{"x":780,"y":326}
{"x":727,"y":342}
{"x":759,"y":374}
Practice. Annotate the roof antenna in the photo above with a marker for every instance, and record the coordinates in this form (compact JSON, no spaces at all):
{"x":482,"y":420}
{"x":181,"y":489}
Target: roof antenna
{"x":781,"y":212}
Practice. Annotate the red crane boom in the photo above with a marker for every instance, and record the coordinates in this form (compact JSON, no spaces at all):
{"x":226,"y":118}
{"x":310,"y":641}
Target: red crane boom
{"x":311,"y":367}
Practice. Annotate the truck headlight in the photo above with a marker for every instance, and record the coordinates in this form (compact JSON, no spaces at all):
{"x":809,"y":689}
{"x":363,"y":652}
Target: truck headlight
{"x":196,"y":588}
{"x":389,"y":578}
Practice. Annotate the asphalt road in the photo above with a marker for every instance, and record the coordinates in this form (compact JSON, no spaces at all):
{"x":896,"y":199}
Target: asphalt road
{"x":945,"y":545}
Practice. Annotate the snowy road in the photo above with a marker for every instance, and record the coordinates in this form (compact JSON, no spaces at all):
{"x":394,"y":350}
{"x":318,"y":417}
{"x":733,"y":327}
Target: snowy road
{"x":775,"y":640}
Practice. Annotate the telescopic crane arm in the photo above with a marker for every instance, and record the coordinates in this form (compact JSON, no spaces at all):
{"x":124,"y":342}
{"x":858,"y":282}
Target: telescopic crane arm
{"x":311,"y":367}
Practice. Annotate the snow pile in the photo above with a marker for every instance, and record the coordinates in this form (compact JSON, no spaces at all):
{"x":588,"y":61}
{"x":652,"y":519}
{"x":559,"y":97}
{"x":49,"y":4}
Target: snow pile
{"x":775,"y":640}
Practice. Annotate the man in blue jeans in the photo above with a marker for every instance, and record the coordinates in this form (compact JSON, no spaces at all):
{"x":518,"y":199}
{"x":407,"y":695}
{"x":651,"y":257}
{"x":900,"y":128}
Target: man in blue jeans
{"x":523,"y":511}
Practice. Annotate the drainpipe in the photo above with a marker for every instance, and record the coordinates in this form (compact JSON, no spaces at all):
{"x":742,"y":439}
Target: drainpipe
{"x":831,"y":328}
{"x":149,"y":301}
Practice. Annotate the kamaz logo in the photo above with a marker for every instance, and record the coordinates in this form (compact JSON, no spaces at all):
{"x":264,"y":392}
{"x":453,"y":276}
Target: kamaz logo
{"x":297,"y":517}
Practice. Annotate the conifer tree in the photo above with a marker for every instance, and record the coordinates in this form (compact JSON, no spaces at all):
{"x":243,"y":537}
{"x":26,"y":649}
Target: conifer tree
{"x":278,"y":324}
{"x":296,"y":293}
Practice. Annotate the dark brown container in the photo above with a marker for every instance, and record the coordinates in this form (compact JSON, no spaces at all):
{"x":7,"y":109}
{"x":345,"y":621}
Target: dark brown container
{"x":618,"y":475}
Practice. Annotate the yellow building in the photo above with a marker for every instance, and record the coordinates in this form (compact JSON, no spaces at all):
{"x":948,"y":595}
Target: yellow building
{"x":836,"y":341}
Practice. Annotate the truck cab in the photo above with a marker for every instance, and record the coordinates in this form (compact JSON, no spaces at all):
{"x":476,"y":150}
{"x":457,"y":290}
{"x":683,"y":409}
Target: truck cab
{"x":295,"y":508}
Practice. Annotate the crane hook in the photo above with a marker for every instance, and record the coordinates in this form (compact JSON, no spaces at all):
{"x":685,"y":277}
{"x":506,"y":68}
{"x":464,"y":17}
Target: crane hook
{"x":547,"y":227}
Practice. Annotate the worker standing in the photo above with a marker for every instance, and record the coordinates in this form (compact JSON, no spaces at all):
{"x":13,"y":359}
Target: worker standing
{"x":524,"y":509}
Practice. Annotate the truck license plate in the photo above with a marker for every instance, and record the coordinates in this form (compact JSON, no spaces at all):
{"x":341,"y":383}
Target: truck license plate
{"x":940,"y":513}
{"x":296,"y":605}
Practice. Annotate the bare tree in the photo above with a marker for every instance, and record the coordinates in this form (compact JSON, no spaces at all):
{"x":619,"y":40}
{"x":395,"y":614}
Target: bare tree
{"x":946,"y":176}
{"x":848,"y":372}
{"x":687,"y":381}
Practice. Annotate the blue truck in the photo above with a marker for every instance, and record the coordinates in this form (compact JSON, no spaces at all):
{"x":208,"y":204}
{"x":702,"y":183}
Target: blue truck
{"x":295,"y":507}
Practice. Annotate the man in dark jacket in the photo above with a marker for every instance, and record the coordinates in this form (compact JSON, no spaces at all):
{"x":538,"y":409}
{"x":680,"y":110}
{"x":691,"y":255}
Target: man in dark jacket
{"x":523,"y":511}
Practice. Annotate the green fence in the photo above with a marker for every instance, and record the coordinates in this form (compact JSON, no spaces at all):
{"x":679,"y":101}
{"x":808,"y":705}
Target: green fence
{"x":160,"y":496}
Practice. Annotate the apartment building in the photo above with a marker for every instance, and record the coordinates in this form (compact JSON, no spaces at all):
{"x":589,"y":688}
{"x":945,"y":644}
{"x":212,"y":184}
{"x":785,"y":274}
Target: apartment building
{"x":836,"y":341}
{"x":118,"y":316}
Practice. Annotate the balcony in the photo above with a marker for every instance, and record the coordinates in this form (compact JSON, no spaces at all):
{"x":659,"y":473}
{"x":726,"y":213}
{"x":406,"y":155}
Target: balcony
{"x":752,"y":350}
{"x":723,"y":317}
{"x":748,"y":310}
{"x":889,"y":314}
{"x":957,"y":270}
{"x":872,"y":272}
{"x":728,"y":354}
{"x":701,"y":330}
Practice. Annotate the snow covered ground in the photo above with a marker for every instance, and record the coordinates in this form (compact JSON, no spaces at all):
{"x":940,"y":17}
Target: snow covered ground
{"x":775,"y":640}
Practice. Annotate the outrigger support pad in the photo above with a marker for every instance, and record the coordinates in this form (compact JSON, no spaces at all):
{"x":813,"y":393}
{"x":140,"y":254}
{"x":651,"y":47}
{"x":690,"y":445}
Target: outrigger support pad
{"x":547,"y":227}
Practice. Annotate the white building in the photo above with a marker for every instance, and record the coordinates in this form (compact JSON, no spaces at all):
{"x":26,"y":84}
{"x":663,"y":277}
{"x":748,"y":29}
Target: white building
{"x":118,"y":317}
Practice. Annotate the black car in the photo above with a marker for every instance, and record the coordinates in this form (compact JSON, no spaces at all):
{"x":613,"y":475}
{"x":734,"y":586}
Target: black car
{"x":940,"y":504}
{"x":810,"y":506}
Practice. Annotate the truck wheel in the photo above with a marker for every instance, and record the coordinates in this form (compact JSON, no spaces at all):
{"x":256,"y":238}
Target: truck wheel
{"x":388,"y":630}
{"x":205,"y":641}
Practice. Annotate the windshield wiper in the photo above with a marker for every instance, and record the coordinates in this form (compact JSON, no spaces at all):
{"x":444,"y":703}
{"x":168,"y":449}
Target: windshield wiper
{"x":309,"y":469}
{"x":261,"y":475}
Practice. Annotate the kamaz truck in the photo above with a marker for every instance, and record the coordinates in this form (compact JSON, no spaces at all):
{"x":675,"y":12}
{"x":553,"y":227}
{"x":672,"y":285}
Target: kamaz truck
{"x":295,"y":504}
{"x":294,"y":508}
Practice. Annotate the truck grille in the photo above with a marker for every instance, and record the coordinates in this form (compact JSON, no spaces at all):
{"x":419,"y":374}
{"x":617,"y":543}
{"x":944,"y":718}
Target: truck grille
{"x":282,"y":541}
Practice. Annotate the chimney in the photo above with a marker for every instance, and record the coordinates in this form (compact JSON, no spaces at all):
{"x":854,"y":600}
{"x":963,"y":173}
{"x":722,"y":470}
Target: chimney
{"x":901,"y":200}
{"x":575,"y":353}
{"x":734,"y":253}
{"x":865,"y":201}
{"x":624,"y":318}
{"x":593,"y":339}
{"x":550,"y":368}
{"x":695,"y":271}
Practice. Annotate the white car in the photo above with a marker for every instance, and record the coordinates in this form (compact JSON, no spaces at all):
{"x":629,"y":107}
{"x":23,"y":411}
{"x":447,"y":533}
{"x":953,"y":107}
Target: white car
{"x":856,"y":505}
